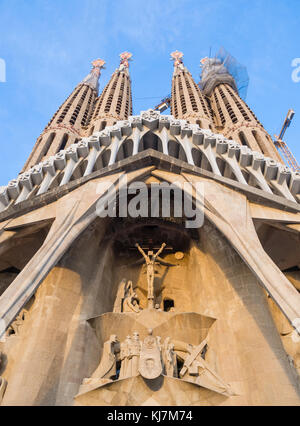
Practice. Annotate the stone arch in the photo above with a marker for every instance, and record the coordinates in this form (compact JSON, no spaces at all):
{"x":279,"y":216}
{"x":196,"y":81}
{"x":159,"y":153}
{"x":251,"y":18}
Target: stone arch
{"x":57,"y":179}
{"x":243,"y":138}
{"x":221,"y":165}
{"x":197,"y":157}
{"x":150,"y":141}
{"x":105,"y":157}
{"x":47,"y":145}
{"x":176,"y":150}
{"x":125,"y":150}
{"x":63,"y":142}
{"x":79,"y":169}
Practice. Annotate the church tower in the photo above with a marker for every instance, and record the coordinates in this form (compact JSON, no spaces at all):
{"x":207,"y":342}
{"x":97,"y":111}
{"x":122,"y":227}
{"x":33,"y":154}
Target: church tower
{"x":151,"y":259}
{"x":67,"y":124}
{"x":115,"y":102}
{"x":233,"y":117}
{"x":187,"y":101}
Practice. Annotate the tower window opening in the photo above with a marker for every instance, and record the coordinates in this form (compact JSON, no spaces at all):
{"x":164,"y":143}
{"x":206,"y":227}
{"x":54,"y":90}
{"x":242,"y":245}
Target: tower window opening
{"x":168,"y":304}
{"x":259,"y":141}
{"x":63,"y":142}
{"x":48,"y":144}
{"x":243,"y":139}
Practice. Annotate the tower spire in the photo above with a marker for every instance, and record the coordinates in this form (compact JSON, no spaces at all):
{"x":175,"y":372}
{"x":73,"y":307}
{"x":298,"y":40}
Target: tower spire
{"x":176,"y":57}
{"x":187,"y":101}
{"x":115,"y":102}
{"x":125,"y":57}
{"x":92,"y":79}
{"x":233,"y":117}
{"x":69,"y":122}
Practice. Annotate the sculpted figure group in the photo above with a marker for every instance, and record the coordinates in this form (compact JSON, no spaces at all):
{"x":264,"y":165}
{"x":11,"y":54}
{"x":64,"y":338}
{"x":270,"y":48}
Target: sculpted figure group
{"x":126,"y":300}
{"x":152,"y":357}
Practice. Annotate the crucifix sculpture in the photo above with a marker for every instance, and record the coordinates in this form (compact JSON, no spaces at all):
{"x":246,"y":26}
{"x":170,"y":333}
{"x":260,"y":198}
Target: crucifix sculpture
{"x":151,"y":260}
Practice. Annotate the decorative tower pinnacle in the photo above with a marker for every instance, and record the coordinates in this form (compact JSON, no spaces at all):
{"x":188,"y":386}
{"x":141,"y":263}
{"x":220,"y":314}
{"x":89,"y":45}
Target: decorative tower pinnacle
{"x":92,"y":79}
{"x":187,"y":101}
{"x":177,"y":58}
{"x":115,"y":101}
{"x":69,"y":122}
{"x":125,"y":57}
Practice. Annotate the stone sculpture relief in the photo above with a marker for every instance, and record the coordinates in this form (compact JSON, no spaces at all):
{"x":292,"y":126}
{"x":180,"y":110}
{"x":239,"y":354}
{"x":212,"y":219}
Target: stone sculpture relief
{"x":14,"y":328}
{"x":169,"y":358}
{"x":131,"y":303}
{"x":152,"y":358}
{"x":106,"y":370}
{"x":126,"y":300}
{"x":151,"y":260}
{"x":150,"y":362}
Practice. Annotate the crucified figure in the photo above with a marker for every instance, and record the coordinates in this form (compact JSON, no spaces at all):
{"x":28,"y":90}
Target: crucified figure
{"x":151,"y":259}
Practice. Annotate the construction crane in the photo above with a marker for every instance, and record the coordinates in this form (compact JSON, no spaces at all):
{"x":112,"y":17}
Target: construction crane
{"x":164,"y":104}
{"x":282,"y":146}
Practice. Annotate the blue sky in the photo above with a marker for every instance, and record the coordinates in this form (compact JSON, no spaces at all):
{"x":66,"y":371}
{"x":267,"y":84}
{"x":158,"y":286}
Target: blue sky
{"x":48,"y":47}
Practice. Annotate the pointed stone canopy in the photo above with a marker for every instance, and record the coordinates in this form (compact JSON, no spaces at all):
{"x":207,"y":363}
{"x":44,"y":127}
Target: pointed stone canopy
{"x":177,"y":56}
{"x":92,"y":79}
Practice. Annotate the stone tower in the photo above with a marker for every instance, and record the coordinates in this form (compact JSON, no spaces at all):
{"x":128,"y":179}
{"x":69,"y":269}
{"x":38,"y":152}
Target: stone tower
{"x":187,"y":101}
{"x":67,"y":124}
{"x":232,"y":116}
{"x":154,"y":261}
{"x":115,"y":102}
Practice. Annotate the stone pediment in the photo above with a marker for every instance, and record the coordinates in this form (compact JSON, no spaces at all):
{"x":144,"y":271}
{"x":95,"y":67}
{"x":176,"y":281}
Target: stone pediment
{"x":143,"y":159}
{"x":161,"y":336}
{"x":178,"y":145}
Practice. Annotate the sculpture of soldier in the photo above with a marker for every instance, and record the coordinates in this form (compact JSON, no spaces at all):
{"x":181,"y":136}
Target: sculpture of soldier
{"x":125,"y":370}
{"x":107,"y":366}
{"x":134,"y":354}
{"x":169,"y":358}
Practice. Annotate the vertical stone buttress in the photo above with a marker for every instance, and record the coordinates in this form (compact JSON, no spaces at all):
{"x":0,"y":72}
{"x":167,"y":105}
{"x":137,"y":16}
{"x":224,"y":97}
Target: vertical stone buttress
{"x":115,"y":102}
{"x":69,"y":122}
{"x":187,"y":101}
{"x":232,"y":116}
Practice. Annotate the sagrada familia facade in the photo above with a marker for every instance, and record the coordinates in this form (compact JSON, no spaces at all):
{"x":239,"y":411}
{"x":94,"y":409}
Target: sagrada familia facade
{"x":141,"y":309}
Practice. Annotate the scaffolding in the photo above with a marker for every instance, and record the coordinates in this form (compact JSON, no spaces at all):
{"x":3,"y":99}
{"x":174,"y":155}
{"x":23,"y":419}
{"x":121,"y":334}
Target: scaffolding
{"x":224,"y":66}
{"x":287,"y":155}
